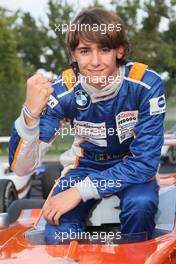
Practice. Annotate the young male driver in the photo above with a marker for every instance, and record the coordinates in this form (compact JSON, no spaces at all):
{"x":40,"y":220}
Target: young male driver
{"x":117,"y":111}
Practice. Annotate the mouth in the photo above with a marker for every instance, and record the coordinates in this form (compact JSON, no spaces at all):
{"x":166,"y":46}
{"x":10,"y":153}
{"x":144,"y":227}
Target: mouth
{"x":95,"y":71}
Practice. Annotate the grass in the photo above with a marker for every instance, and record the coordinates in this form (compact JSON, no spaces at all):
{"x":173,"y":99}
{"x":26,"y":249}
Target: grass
{"x":62,"y":144}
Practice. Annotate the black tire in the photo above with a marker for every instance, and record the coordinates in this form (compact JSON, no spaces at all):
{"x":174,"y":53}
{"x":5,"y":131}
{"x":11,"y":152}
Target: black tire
{"x":8,"y":194}
{"x":53,"y":172}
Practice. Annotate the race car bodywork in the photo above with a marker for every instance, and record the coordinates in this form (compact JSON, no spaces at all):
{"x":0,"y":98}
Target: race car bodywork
{"x":12,"y":186}
{"x":18,"y":246}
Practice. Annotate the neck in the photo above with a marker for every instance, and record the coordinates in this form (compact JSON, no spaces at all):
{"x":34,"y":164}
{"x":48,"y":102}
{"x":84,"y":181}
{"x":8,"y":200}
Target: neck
{"x":107,"y":91}
{"x":104,"y":81}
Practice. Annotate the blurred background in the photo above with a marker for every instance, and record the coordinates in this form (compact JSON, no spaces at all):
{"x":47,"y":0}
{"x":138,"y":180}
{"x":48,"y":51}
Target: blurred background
{"x":30,"y":41}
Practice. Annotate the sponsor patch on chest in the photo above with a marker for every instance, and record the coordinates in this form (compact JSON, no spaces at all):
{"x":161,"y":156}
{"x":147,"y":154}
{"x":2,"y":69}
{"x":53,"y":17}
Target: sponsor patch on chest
{"x":92,"y":132}
{"x":89,"y":129}
{"x":125,"y":122}
{"x":82,"y":99}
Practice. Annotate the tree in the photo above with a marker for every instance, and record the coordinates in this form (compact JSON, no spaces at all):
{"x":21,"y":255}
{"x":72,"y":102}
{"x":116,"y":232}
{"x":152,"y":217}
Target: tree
{"x":11,"y":77}
{"x":42,"y":45}
{"x":59,"y":15}
{"x":149,"y":43}
{"x":31,"y":40}
{"x":169,"y":37}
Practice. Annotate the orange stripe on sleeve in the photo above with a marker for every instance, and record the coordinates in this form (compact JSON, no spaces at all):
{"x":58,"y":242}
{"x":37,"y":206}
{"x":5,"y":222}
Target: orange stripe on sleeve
{"x":76,"y":162}
{"x":16,"y":154}
{"x":78,"y":158}
{"x":82,"y":152}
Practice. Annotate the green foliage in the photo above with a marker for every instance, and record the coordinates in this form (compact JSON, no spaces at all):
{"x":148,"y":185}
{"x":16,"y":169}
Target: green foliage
{"x":128,"y":11}
{"x":31,"y":39}
{"x":149,"y":43}
{"x":11,"y":77}
{"x":169,"y":37}
{"x":27,"y":45}
{"x":59,"y":14}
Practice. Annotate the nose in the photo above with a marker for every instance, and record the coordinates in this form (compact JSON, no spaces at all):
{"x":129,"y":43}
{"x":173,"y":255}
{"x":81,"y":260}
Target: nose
{"x":96,"y":59}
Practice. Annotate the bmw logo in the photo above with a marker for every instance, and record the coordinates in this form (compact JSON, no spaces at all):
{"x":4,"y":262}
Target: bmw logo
{"x":82,"y":99}
{"x":161,"y":102}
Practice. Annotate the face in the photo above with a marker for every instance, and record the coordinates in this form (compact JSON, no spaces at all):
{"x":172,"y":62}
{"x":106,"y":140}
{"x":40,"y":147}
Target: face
{"x":97,"y":64}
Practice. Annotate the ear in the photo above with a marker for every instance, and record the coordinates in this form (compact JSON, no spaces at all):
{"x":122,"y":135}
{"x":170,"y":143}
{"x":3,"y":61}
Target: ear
{"x":120,"y":52}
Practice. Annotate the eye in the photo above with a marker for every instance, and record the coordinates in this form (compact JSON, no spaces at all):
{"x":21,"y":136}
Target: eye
{"x":105,"y":50}
{"x":84,"y":51}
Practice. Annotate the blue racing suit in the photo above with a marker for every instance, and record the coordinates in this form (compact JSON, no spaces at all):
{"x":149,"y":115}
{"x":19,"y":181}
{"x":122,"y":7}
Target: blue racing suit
{"x":118,"y":140}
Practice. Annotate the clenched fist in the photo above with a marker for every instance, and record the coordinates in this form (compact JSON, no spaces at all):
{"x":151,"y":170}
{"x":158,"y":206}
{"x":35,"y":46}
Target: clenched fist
{"x":37,"y":95}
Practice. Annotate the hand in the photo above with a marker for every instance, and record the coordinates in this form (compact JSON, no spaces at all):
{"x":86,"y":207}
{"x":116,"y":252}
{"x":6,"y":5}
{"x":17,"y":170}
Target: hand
{"x":38,"y":93}
{"x":60,"y":204}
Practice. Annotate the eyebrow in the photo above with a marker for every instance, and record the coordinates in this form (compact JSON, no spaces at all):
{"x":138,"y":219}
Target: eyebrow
{"x":88,"y":47}
{"x":83,"y":47}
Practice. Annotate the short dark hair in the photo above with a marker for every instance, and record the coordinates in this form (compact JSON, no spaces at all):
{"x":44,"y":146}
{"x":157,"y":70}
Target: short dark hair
{"x":96,"y":17}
